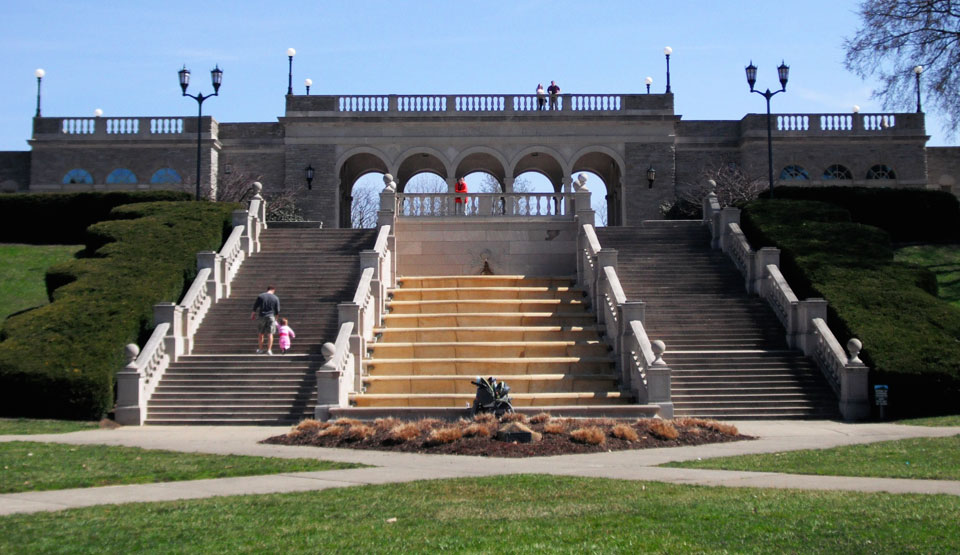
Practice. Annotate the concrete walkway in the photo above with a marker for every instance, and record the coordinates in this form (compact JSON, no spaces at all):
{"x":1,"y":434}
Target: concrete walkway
{"x":403,"y":467}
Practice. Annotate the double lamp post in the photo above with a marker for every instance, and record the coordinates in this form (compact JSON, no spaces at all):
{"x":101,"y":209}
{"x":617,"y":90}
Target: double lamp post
{"x":783,"y":72}
{"x":216,"y":77}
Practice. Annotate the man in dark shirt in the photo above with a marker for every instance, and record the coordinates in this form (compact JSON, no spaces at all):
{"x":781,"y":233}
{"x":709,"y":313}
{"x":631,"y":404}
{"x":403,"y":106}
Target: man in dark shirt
{"x":265,"y":311}
{"x":554,"y":91}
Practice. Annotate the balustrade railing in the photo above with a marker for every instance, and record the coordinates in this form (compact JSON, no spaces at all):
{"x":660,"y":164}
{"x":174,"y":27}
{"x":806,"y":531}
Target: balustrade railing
{"x":481,"y":205}
{"x":594,"y":102}
{"x":78,"y":126}
{"x":833,"y":123}
{"x":804,"y":321}
{"x":421,"y":103}
{"x":363,"y":104}
{"x":122,"y":126}
{"x":176,"y":324}
{"x":480,"y":103}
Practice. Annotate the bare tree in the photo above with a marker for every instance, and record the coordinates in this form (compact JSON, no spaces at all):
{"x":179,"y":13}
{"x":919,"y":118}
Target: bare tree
{"x":281,"y":205}
{"x":731,"y":185}
{"x":894,"y":37}
{"x":364,"y":206}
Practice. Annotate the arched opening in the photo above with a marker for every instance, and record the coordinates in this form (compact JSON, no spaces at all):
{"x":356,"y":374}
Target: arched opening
{"x":534,"y":181}
{"x":122,"y":176}
{"x":604,"y":179}
{"x":418,"y":163}
{"x":482,"y":169}
{"x":361,"y":180}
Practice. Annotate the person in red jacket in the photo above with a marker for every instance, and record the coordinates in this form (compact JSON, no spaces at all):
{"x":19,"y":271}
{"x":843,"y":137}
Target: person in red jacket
{"x":460,"y":202}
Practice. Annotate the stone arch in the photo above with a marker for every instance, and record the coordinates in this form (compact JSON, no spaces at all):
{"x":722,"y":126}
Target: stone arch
{"x":543,"y":160}
{"x":419,"y":160}
{"x":481,"y":159}
{"x":608,"y":166}
{"x":352,"y":165}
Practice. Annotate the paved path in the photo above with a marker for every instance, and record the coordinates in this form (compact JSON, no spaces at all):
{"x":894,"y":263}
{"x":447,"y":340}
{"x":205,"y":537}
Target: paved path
{"x":403,"y":467}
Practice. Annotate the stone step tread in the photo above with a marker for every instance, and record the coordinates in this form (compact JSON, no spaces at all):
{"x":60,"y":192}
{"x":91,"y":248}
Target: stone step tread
{"x":560,"y":343}
{"x":593,"y":327}
{"x":522,"y":288}
{"x":470,"y":396}
{"x":431,"y":302}
{"x":500,"y":360}
{"x":493,"y":314}
{"x":510,"y":377}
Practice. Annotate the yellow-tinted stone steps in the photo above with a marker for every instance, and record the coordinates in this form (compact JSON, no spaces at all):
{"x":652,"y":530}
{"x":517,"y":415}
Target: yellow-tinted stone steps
{"x":472,"y":349}
{"x":462,"y":399}
{"x":486,"y":333}
{"x":530,"y":383}
{"x":455,"y":306}
{"x":448,"y":293}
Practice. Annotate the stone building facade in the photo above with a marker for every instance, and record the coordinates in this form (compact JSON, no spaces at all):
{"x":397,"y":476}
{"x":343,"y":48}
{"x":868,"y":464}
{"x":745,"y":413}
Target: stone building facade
{"x":618,"y":137}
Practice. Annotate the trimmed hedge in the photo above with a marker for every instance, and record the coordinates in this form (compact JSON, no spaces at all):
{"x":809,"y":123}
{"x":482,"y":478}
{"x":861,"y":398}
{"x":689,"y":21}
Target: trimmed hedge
{"x":59,"y":360}
{"x":40,"y":218}
{"x":910,"y":337}
{"x":907,"y":214}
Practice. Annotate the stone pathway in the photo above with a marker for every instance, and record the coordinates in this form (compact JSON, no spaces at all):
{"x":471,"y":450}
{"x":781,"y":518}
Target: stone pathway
{"x":391,"y":467}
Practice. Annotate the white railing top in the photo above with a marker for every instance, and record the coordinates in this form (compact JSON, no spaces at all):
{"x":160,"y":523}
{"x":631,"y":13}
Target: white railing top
{"x":341,"y":348}
{"x":382,"y":236}
{"x":643,"y":342}
{"x":592,"y":240}
{"x":363,"y":289}
{"x":616,"y":290}
{"x":232,"y":243}
{"x":197,"y":288}
{"x":151,"y":348}
{"x":781,"y":283}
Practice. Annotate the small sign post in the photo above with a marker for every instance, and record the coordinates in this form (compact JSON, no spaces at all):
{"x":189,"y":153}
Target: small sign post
{"x":880,"y":398}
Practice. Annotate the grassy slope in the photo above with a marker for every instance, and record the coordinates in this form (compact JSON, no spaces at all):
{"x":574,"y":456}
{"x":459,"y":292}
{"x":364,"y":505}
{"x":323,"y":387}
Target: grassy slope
{"x":943,"y":261}
{"x":22,"y":268}
{"x":921,"y":458}
{"x":18,"y":426}
{"x":505,"y":514}
{"x":32,"y":466}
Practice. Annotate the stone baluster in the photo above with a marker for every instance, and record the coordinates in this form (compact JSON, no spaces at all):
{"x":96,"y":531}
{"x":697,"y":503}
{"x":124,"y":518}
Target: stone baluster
{"x":129,"y":386}
{"x":658,"y":381}
{"x":175,"y":342}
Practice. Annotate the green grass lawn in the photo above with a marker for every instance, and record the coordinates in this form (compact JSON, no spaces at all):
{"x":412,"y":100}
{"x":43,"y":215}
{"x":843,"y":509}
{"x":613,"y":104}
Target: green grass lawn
{"x":17,"y":426}
{"x":22,"y":270}
{"x":953,"y":420}
{"x":505,"y":515}
{"x":32,"y":466}
{"x":923,"y":458}
{"x":943,"y":261}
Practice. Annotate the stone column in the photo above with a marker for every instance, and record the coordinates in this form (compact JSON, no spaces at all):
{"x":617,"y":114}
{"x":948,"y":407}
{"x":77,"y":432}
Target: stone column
{"x":567,"y":190}
{"x":129,"y":385}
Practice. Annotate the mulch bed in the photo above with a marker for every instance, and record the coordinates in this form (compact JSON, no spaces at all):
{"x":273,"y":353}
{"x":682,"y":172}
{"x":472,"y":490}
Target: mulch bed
{"x":465,"y":437}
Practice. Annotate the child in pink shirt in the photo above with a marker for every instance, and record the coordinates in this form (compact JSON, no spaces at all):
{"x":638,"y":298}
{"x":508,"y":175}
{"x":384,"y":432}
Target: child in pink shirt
{"x":286,"y":333}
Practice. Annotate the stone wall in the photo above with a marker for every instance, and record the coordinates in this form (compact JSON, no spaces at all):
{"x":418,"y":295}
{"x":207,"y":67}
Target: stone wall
{"x":943,"y":168}
{"x":427,"y":246}
{"x":14,"y":171}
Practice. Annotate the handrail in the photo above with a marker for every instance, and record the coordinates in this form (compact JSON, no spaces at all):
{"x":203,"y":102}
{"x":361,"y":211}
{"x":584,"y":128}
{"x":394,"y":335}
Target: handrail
{"x":363,"y":288}
{"x":804,"y":321}
{"x":383,"y":235}
{"x":592,"y":241}
{"x":481,"y":205}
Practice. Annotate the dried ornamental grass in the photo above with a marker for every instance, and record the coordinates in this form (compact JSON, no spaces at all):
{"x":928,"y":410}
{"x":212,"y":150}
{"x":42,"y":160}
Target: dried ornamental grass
{"x":385,"y":423}
{"x":308,"y":425}
{"x":344,"y":421}
{"x":332,"y":431}
{"x":541,"y":418}
{"x":485,"y":418}
{"x":427,"y":424}
{"x":403,"y":432}
{"x":719,"y":427}
{"x":555,"y":427}
{"x":624,"y":432}
{"x":513,"y":417}
{"x":591,"y":435}
{"x":444,"y":435}
{"x":477,"y":430}
{"x":360,"y":432}
{"x":664,"y":429}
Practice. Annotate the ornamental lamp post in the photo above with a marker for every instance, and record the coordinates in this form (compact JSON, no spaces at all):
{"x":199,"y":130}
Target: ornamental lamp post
{"x":97,"y":113}
{"x":216,"y":77}
{"x":651,"y":176}
{"x":666,"y":52}
{"x":648,"y":81}
{"x":308,"y":173}
{"x":290,"y":54}
{"x":308,"y":83}
{"x":783,"y":73}
{"x":917,"y":70}
{"x":39,"y":73}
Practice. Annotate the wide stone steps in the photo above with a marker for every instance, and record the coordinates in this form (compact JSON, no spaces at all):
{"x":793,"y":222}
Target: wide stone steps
{"x":223,"y":381}
{"x":727,"y":350}
{"x":536,"y":334}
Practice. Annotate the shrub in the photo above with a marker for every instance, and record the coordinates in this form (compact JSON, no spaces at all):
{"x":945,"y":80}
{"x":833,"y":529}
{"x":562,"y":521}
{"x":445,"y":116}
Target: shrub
{"x":59,"y":360}
{"x":591,"y":435}
{"x":513,"y":417}
{"x":663,"y":429}
{"x":555,"y":427}
{"x":624,"y":432}
{"x":444,"y":435}
{"x":477,"y":429}
{"x":64,"y":217}
{"x":403,"y":432}
{"x":540,"y":418}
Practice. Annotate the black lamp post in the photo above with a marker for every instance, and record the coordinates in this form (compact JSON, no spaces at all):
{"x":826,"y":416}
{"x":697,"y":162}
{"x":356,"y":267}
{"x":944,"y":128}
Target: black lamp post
{"x":308,"y":173}
{"x":917,"y":70}
{"x":666,"y":52}
{"x":40,"y":73}
{"x":216,"y":76}
{"x":290,"y":54}
{"x":648,"y":81}
{"x":651,"y":177}
{"x":783,"y":72}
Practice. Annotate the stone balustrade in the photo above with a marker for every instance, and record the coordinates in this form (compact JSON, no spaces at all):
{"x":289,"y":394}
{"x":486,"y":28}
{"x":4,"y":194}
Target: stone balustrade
{"x":833,"y":124}
{"x":803,"y":320}
{"x":482,"y":205}
{"x":176,"y":323}
{"x":136,"y":127}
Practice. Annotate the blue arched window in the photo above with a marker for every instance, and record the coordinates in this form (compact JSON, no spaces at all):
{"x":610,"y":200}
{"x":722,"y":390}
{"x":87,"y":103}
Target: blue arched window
{"x":881,"y":171}
{"x":793,"y":172}
{"x":78,"y":175}
{"x":122,"y":175}
{"x":836,"y":171}
{"x":166,"y":175}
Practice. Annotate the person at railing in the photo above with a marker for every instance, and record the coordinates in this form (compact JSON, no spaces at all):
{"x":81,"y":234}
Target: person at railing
{"x":460,"y":202}
{"x":541,"y":97}
{"x":554,"y":91}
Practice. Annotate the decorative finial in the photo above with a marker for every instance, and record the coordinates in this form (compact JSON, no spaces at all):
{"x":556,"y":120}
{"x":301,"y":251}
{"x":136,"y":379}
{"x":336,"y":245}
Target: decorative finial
{"x":131,"y":351}
{"x":582,"y":182}
{"x":327,"y":350}
{"x":257,"y":188}
{"x":388,"y":183}
{"x":658,"y":349}
{"x":854,"y":346}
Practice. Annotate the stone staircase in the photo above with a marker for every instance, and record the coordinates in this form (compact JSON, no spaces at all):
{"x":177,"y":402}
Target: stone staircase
{"x":534,"y":333}
{"x":727,"y":349}
{"x":223,"y":381}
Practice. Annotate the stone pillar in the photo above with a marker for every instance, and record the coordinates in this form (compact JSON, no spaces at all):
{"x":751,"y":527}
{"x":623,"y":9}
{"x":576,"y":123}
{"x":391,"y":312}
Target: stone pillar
{"x":129,"y":385}
{"x":658,"y":381}
{"x":762,"y":258}
{"x":215,"y":283}
{"x":728,"y":215}
{"x":631,"y":311}
{"x":804,"y":337}
{"x":854,"y":385}
{"x":174,"y":342}
{"x":508,"y":204}
{"x":567,"y":190}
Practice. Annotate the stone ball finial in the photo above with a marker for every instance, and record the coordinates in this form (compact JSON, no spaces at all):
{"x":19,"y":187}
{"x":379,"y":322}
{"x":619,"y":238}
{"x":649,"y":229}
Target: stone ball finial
{"x":581,"y":184}
{"x":131,"y":351}
{"x":658,"y":349}
{"x":711,"y":185}
{"x":854,"y":346}
{"x":388,"y":183}
{"x":327,"y":350}
{"x":257,"y":189}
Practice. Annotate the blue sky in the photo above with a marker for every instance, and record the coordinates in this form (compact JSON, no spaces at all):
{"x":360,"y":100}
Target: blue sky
{"x":123,"y":57}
